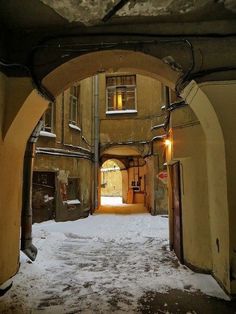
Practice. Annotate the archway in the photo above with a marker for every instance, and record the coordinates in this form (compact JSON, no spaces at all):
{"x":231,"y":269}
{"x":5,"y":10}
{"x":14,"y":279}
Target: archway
{"x":112,"y":182}
{"x":221,"y":243}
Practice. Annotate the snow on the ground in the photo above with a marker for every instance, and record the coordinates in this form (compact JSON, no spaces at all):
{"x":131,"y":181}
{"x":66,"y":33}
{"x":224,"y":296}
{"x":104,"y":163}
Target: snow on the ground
{"x":111,"y":200}
{"x":101,"y":264}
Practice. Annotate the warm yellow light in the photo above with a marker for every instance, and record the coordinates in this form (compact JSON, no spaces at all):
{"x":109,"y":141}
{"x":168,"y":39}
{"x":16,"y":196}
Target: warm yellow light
{"x":119,"y":102}
{"x":167,"y":142}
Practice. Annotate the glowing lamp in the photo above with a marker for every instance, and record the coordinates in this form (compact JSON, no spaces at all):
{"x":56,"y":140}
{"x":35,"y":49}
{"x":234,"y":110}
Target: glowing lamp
{"x":167,"y":142}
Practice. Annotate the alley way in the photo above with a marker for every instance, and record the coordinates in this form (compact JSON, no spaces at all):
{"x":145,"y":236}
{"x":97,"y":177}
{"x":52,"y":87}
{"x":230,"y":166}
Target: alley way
{"x":109,"y":264}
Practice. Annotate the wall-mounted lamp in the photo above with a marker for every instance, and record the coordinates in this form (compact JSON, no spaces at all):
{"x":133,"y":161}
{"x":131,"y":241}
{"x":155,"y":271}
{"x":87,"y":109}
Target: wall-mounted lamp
{"x":167,"y":142}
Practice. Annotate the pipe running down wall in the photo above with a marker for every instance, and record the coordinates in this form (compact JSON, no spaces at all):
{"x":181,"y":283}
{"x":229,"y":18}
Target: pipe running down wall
{"x":96,"y":139}
{"x":27,"y":246}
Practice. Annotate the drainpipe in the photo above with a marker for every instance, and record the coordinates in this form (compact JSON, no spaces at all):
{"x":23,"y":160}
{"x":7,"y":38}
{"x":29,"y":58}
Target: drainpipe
{"x":27,"y":246}
{"x":96,"y":138}
{"x":63,"y":119}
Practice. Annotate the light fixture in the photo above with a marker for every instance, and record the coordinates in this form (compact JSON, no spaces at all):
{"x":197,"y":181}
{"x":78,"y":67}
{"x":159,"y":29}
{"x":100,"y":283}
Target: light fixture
{"x":167,"y":142}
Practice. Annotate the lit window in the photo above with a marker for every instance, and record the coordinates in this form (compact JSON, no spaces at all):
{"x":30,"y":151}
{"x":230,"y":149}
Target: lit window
{"x":48,"y":118}
{"x":74,"y":104}
{"x":121,"y":94}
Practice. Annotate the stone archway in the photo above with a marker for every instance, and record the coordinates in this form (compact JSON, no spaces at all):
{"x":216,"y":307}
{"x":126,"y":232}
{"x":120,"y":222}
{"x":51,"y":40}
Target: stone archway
{"x":28,"y":109}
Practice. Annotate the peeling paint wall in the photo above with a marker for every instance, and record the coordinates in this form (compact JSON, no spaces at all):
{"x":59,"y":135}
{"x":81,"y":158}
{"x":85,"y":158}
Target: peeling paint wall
{"x":91,"y":12}
{"x":72,"y":175}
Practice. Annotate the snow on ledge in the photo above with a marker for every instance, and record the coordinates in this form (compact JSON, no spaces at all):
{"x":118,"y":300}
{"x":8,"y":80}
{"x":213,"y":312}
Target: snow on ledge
{"x":47,"y":134}
{"x":121,"y":111}
{"x":72,"y":202}
{"x":75,"y":127}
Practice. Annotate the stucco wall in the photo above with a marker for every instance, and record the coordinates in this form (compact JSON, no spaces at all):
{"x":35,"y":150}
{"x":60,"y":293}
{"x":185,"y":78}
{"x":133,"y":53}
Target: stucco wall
{"x":135,"y":126}
{"x":222,"y":96}
{"x":209,"y":102}
{"x":70,"y":140}
{"x":74,"y":168}
{"x":12,"y":148}
{"x":190,"y":148}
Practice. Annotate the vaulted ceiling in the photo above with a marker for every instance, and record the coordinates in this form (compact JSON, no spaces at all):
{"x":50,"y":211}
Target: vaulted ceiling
{"x":199,"y":15}
{"x":196,"y":37}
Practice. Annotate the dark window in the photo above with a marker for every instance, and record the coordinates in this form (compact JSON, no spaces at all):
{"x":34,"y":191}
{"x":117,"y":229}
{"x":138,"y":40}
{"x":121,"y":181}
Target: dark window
{"x":73,"y":188}
{"x":48,"y":118}
{"x":74,"y":104}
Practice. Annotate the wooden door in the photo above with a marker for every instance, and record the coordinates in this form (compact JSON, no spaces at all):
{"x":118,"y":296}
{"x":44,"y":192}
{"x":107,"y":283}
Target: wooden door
{"x":43,"y":196}
{"x":177,"y":211}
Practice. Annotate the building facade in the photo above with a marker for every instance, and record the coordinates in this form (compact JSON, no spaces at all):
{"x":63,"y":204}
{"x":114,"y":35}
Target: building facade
{"x":62,"y":185}
{"x":129,"y":105}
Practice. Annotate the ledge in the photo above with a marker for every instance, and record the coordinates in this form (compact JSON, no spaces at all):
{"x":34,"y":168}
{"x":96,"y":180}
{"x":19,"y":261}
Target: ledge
{"x":72,"y":202}
{"x":74,"y":127}
{"x":47,"y":134}
{"x":121,"y":111}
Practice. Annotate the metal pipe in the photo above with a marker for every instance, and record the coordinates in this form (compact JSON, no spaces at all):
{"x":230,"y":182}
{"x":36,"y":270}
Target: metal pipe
{"x":27,"y":246}
{"x":96,"y":138}
{"x":114,"y":10}
{"x":158,"y":126}
{"x":63,"y":118}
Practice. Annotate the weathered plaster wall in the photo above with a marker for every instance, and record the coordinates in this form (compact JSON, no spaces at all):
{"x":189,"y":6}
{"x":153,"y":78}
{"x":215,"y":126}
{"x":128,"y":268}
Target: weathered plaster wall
{"x":72,"y":141}
{"x":137,"y":127}
{"x":133,"y":127}
{"x":73,"y":168}
{"x":92,"y":12}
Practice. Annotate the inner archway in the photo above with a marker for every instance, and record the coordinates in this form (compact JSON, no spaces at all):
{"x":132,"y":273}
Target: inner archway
{"x":111,"y":183}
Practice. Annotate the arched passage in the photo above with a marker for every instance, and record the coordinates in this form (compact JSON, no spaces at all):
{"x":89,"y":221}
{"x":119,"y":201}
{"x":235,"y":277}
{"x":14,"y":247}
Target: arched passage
{"x":109,"y":61}
{"x":29,"y":109}
{"x":206,"y":101}
{"x":133,"y":171}
{"x":112,"y":184}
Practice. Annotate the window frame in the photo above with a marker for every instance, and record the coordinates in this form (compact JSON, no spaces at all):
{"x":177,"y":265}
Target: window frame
{"x":45,"y":128}
{"x":74,"y":101}
{"x":115,"y":88}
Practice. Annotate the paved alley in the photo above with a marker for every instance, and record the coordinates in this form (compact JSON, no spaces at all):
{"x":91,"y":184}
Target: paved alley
{"x":109,"y":264}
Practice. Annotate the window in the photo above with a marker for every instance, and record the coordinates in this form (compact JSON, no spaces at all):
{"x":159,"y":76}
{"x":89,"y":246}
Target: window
{"x":121,"y":94}
{"x":74,"y":104}
{"x":48,"y":119}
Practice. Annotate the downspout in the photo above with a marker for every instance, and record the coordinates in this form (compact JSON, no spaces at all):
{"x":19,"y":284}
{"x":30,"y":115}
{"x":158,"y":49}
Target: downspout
{"x":63,"y":119}
{"x":27,"y":246}
{"x":96,"y":138}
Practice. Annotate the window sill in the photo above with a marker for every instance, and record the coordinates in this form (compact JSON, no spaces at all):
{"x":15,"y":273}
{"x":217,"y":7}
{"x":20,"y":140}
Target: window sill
{"x":72,"y":202}
{"x":74,"y":127}
{"x":47,"y":134}
{"x":121,"y":111}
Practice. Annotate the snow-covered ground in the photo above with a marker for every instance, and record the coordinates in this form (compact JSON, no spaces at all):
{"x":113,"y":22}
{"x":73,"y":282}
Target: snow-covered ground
{"x":101,"y":264}
{"x":111,"y":200}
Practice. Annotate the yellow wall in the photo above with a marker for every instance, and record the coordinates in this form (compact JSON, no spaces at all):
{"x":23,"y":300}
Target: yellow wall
{"x":190,"y":148}
{"x":137,"y":127}
{"x":222,"y":96}
{"x":15,"y":130}
{"x":209,"y":102}
{"x":134,"y":126}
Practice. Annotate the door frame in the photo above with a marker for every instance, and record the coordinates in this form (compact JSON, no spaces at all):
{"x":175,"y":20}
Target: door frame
{"x":171,"y":173}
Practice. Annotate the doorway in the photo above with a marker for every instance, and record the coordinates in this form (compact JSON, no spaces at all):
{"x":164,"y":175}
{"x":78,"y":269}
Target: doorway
{"x":176,"y":211}
{"x":111,"y":183}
